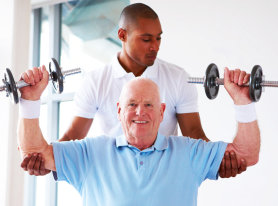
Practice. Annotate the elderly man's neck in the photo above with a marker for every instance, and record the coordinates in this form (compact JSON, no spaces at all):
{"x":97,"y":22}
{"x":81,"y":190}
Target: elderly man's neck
{"x":141,"y":143}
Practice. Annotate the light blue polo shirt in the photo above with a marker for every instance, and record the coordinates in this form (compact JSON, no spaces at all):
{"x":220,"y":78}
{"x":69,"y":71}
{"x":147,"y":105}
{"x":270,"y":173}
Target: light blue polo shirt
{"x":109,"y":172}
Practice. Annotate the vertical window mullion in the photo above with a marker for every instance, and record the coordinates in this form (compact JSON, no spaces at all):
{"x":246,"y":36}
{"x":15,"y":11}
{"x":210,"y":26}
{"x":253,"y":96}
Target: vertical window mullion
{"x":52,"y":105}
{"x":37,"y":20}
{"x":30,"y":186}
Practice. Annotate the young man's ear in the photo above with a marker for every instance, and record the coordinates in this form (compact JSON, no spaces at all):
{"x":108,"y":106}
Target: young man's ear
{"x":122,"y":34}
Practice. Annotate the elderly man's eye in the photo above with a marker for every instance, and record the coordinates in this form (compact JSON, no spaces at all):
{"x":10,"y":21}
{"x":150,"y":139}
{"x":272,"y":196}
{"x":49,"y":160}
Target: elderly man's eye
{"x":131,"y":105}
{"x":148,"y":105}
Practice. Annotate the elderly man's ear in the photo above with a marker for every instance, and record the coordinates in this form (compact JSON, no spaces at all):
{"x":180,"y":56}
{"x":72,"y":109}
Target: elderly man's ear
{"x":119,"y":110}
{"x":162,"y":109}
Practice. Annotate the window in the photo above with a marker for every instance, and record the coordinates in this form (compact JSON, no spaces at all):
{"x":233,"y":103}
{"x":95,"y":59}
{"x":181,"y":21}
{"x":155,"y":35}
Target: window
{"x":78,"y":34}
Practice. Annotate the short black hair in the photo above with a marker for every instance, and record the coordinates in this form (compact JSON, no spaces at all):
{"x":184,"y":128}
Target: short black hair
{"x":132,"y":12}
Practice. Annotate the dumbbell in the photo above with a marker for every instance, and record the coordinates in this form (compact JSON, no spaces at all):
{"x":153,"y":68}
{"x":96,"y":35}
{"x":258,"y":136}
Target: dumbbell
{"x":212,"y":82}
{"x":56,"y":75}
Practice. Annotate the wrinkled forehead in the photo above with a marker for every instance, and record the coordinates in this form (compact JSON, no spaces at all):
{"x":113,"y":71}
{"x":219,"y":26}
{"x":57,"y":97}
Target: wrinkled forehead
{"x":140,"y":90}
{"x":139,"y":97}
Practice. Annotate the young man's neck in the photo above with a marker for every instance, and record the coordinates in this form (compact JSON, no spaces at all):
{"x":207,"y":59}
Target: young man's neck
{"x":130,"y":66}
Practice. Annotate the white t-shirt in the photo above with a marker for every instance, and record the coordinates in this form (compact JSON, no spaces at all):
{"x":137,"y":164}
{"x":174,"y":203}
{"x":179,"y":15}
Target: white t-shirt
{"x":99,"y":93}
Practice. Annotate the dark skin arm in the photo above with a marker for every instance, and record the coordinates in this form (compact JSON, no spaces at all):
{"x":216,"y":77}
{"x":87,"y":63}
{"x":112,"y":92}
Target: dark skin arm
{"x":79,"y":128}
{"x":190,"y":125}
{"x":229,"y":168}
{"x":34,"y":164}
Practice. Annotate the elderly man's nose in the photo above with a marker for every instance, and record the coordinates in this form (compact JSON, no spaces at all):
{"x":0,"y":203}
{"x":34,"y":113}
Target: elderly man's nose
{"x":140,"y":110}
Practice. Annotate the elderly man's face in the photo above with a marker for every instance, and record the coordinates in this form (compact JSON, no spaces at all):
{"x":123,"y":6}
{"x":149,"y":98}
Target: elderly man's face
{"x":140,"y":110}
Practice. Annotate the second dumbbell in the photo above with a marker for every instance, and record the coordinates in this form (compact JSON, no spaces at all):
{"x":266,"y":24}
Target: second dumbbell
{"x":56,"y":77}
{"x":211,"y":82}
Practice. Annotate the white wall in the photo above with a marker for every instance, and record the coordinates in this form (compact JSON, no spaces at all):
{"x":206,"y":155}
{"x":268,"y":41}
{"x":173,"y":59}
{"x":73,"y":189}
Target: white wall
{"x":14,"y":54}
{"x":5,"y":60}
{"x":233,"y":33}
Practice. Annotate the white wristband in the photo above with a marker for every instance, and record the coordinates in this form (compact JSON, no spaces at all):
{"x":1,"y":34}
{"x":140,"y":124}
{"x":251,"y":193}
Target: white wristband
{"x":29,"y":109}
{"x":245,"y":113}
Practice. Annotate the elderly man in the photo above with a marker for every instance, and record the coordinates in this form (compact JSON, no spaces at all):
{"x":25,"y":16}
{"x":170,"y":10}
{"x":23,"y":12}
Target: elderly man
{"x":140,"y":167}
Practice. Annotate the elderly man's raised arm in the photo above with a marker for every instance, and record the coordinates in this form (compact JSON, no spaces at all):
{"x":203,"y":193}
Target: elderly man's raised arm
{"x":246,"y":144}
{"x":30,"y":138}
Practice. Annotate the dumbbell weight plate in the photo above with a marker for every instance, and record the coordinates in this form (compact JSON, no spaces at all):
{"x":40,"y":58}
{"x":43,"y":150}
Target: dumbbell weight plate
{"x":211,"y":88}
{"x":255,"y":88}
{"x":11,"y":89}
{"x":56,"y":76}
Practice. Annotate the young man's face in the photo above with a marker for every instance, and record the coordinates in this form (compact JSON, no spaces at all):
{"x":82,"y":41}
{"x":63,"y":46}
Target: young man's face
{"x":143,"y":41}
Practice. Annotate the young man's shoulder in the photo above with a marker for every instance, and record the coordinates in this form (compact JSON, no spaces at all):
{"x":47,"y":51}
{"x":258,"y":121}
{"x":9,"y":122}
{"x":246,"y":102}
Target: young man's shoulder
{"x":99,"y":73}
{"x":170,"y":69}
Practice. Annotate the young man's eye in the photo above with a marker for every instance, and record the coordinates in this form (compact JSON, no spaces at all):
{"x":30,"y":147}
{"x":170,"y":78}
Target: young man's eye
{"x":158,"y":38}
{"x":131,"y":105}
{"x":148,"y":105}
{"x":146,"y":40}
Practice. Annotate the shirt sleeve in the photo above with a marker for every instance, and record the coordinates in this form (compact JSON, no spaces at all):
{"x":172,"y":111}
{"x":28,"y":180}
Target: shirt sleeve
{"x":187,"y":101}
{"x":206,"y":158}
{"x":85,"y":99}
{"x":72,"y":162}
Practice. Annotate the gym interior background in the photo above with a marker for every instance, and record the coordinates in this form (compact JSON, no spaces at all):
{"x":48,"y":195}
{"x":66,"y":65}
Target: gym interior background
{"x":233,"y":33}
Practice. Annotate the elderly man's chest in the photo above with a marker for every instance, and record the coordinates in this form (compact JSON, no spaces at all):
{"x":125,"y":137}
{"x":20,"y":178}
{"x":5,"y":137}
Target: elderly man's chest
{"x":154,"y":179}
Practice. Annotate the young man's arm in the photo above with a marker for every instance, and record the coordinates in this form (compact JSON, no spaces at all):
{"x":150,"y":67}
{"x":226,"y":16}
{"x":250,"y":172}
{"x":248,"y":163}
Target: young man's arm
{"x":78,"y":129}
{"x":190,"y":125}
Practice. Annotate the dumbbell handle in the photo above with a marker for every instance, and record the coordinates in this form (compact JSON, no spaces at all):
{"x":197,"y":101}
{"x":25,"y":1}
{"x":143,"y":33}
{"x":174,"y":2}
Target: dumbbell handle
{"x":220,"y":81}
{"x":269,"y":84}
{"x":21,"y":83}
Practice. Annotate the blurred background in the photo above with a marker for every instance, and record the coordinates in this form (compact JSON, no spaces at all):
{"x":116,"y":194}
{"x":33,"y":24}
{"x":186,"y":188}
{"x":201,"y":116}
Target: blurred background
{"x":232,"y":33}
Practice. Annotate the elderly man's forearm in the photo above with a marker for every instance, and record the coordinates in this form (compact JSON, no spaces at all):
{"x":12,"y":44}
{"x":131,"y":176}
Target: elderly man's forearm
{"x":247,"y":142}
{"x":31,"y":140}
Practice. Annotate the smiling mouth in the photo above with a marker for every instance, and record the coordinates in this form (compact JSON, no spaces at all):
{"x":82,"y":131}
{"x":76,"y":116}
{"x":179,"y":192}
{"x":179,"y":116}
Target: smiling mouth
{"x":139,"y":122}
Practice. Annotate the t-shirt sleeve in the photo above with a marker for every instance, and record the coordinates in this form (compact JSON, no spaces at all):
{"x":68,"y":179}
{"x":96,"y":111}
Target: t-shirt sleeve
{"x":72,"y":162}
{"x":187,"y":95}
{"x":206,"y":158}
{"x":85,"y":98}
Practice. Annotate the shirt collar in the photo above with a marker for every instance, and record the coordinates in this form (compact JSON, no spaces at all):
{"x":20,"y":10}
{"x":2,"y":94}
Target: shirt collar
{"x":161,"y":142}
{"x":118,"y":71}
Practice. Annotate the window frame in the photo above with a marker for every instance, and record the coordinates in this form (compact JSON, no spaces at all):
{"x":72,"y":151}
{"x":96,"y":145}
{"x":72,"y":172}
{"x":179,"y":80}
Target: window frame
{"x":52,"y":100}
